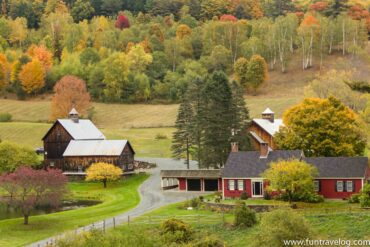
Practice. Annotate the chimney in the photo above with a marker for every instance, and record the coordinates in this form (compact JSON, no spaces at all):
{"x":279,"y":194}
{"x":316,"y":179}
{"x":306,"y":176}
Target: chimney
{"x":73,"y":115}
{"x":234,"y":147}
{"x":268,"y":115}
{"x":264,"y":150}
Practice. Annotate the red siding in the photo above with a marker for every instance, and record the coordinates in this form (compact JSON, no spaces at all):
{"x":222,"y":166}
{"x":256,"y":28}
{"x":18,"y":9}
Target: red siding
{"x":220,"y":186}
{"x":236,"y":193}
{"x":328,"y":187}
{"x":182,"y":183}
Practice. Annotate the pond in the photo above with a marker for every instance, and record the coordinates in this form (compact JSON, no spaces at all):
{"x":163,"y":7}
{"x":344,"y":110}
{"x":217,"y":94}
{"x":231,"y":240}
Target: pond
{"x":9,"y":213}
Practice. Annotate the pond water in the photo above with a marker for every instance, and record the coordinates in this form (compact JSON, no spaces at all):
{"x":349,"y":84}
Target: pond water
{"x":9,"y":213}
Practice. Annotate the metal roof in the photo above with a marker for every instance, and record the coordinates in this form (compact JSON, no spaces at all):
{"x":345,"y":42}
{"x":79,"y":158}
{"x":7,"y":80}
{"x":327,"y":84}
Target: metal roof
{"x":73,"y":112}
{"x":95,"y":148}
{"x":271,"y":127}
{"x":191,"y":173}
{"x":84,"y":129}
{"x":268,"y":111}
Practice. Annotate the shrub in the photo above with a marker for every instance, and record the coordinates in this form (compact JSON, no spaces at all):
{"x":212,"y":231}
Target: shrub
{"x":266,"y":195}
{"x":244,"y":216}
{"x":313,"y":198}
{"x":218,"y":197}
{"x":209,"y":241}
{"x":177,"y":231}
{"x":365,"y":196}
{"x":280,"y":225}
{"x":355,"y":198}
{"x":244,"y":195}
{"x":201,"y":198}
{"x":5,"y":117}
{"x":160,"y":137}
{"x":195,"y":202}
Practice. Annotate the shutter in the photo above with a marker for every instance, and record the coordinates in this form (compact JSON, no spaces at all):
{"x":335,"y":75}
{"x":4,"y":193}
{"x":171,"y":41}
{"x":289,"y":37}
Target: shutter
{"x":235,"y":184}
{"x":336,"y":186}
{"x":319,"y":185}
{"x":353,"y":186}
{"x":243,"y":185}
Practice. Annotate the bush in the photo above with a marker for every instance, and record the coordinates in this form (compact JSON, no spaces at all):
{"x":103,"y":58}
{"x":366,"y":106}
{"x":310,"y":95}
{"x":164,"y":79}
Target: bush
{"x":209,"y":241}
{"x":5,"y":117}
{"x":313,"y":198}
{"x":176,"y":231}
{"x":280,"y":225}
{"x":244,"y":216}
{"x":364,"y":197}
{"x":201,"y":198}
{"x":160,"y":136}
{"x":266,"y":195}
{"x":195,"y":202}
{"x":355,"y":198}
{"x":244,"y":195}
{"x":218,"y":197}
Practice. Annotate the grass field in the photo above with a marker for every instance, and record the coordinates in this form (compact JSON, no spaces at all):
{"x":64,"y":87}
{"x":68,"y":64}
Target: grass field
{"x":329,"y":225}
{"x":143,"y":140}
{"x":118,"y":197}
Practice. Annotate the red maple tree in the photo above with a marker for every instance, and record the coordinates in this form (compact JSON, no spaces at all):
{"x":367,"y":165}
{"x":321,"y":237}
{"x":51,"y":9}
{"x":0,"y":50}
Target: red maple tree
{"x":122,"y":22}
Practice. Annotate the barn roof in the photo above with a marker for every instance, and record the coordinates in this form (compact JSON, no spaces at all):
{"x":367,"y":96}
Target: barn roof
{"x":268,"y":111}
{"x":268,"y":126}
{"x":95,"y":148}
{"x":249,"y":164}
{"x":340,"y":167}
{"x":191,"y":173}
{"x":84,"y":129}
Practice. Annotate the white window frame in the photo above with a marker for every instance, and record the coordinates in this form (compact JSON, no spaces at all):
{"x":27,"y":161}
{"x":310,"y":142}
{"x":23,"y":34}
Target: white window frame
{"x":262,"y":189}
{"x":347,"y":186}
{"x":316,"y":184}
{"x":231,"y":182}
{"x":340,"y":186}
{"x":240,"y":184}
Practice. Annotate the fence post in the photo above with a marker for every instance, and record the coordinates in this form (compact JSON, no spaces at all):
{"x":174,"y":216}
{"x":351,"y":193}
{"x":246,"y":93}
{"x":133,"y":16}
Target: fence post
{"x":114,"y":222}
{"x":103,"y":225}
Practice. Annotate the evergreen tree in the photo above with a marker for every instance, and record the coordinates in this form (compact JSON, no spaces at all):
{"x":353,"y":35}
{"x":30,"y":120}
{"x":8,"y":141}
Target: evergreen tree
{"x":239,"y":117}
{"x":337,"y":7}
{"x":182,"y":138}
{"x":216,"y":119}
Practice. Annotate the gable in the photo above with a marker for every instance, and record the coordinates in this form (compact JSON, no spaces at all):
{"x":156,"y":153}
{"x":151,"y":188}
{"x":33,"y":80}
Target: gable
{"x":55,"y":128}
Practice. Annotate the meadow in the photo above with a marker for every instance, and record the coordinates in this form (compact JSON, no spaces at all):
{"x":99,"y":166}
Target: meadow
{"x":118,"y":197}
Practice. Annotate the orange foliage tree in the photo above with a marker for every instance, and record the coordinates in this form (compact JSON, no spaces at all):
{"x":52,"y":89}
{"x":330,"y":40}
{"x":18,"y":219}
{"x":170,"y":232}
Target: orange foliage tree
{"x":42,"y":54}
{"x":4,"y":70}
{"x":32,"y":76}
{"x":70,"y":91}
{"x":182,"y":31}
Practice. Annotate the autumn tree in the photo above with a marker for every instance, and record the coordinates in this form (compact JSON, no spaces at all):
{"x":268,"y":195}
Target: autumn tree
{"x":32,"y":76}
{"x":82,"y":10}
{"x":13,"y":156}
{"x":293,"y":178}
{"x":183,"y":31}
{"x":122,"y":22}
{"x":42,"y":54}
{"x":322,"y":127}
{"x":256,"y":73}
{"x":307,"y":33}
{"x":26,"y":189}
{"x":70,"y":91}
{"x":103,"y":172}
{"x":138,"y":58}
{"x":4,"y":71}
{"x":241,"y":70}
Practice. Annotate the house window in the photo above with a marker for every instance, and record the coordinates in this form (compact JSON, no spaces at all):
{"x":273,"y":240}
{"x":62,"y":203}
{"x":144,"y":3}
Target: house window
{"x":316,"y":185}
{"x":349,"y":186}
{"x":231,"y":185}
{"x":240,"y":184}
{"x":340,"y":186}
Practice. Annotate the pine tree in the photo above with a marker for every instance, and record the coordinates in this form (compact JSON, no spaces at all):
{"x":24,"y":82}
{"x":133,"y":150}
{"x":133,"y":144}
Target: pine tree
{"x":216,"y":118}
{"x":239,"y":117}
{"x":182,"y":140}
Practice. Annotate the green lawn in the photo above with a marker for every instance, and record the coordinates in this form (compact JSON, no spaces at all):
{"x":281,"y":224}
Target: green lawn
{"x":332,"y":221}
{"x":143,"y":140}
{"x":118,"y":197}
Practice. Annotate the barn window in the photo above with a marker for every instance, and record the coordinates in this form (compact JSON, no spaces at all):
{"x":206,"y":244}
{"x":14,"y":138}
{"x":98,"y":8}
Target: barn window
{"x":349,"y":186}
{"x":231,"y":185}
{"x":339,"y":186}
{"x":240,"y":184}
{"x":316,"y":185}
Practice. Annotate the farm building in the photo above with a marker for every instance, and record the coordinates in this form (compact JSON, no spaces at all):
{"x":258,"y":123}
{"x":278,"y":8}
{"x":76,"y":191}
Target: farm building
{"x":73,"y":144}
{"x":339,"y":177}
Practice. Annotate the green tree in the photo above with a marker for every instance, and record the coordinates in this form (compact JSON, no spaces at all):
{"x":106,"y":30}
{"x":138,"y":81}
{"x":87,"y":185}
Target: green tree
{"x":293,"y":178}
{"x":89,"y":56}
{"x":280,"y":225}
{"x":216,"y":122}
{"x":82,"y":10}
{"x":183,"y":137}
{"x":244,"y":216}
{"x":257,"y":73}
{"x":365,"y":196}
{"x":13,"y":156}
{"x":322,"y":127}
{"x":241,"y":70}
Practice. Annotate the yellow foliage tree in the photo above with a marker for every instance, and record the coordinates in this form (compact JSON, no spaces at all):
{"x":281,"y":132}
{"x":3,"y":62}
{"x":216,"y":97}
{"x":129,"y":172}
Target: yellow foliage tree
{"x":32,"y":76}
{"x":183,"y":31}
{"x":103,"y":172}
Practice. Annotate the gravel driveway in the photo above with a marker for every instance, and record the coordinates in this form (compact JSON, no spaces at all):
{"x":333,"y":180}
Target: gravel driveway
{"x":152,"y":197}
